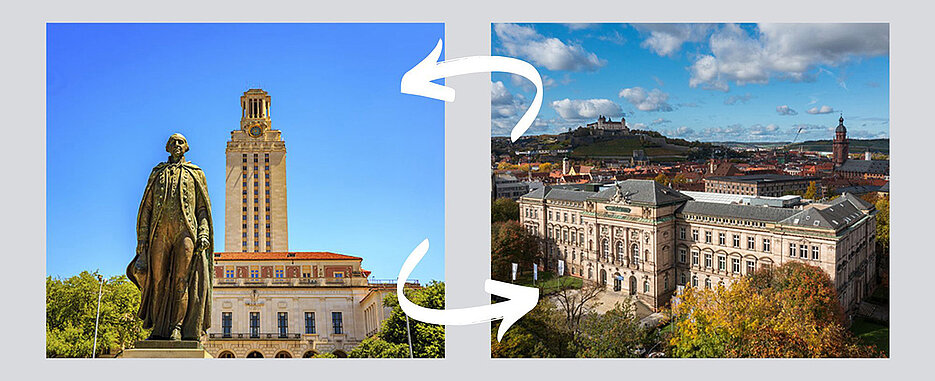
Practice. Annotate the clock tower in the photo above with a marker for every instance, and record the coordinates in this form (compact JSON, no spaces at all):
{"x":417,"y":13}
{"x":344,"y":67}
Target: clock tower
{"x":255,"y":196}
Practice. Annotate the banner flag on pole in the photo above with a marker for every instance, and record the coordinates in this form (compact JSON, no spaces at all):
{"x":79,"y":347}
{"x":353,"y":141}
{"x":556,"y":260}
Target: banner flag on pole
{"x":535,"y":271}
{"x":515,"y":266}
{"x":561,"y":267}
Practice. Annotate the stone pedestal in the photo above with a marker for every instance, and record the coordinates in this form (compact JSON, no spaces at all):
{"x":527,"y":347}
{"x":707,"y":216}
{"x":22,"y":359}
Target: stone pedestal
{"x":166,"y":349}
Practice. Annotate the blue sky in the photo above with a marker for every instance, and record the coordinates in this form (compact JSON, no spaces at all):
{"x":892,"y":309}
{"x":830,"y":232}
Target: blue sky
{"x":709,"y":82}
{"x":365,"y":163}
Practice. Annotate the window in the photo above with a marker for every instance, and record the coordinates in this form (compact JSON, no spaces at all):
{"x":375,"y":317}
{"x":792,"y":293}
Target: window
{"x":707,"y":283}
{"x":636,"y":254}
{"x":766,"y":244}
{"x":309,"y":323}
{"x":572,"y":218}
{"x":803,"y":251}
{"x":721,"y":263}
{"x":254,"y":272}
{"x":694,"y":281}
{"x":683,"y":255}
{"x":337,"y":323}
{"x":683,"y":280}
{"x":735,"y":265}
{"x":226,"y":324}
{"x":791,"y":249}
{"x":751,"y":243}
{"x":646,"y":286}
{"x":736,"y":240}
{"x":620,"y":251}
{"x":707,"y":237}
{"x":694,"y":258}
{"x":721,"y":239}
{"x":815,"y":253}
{"x":550,"y":215}
{"x":283,"y":323}
{"x":255,"y":324}
{"x":581,"y":242}
{"x":306,"y":271}
{"x":682,"y":232}
{"x":228,"y":272}
{"x":339,"y":274}
{"x":751,"y":266}
{"x":707,"y":260}
{"x":279,"y":272}
{"x":565,"y":217}
{"x":694,"y":234}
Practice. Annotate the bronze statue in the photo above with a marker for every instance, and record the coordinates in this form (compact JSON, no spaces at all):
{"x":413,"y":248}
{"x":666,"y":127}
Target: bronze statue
{"x":173,"y":266}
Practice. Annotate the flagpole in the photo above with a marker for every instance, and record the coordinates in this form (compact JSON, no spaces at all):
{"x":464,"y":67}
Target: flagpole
{"x":97,"y":319}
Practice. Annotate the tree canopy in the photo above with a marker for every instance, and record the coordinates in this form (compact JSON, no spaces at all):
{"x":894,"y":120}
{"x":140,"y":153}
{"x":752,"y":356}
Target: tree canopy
{"x":428,"y":340}
{"x":71,"y":308}
{"x":504,"y":209}
{"x":510,"y":242}
{"x":790,"y":311}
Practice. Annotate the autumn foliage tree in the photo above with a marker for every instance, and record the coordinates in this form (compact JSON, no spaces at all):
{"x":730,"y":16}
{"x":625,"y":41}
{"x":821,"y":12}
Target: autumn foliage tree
{"x":791,"y":311}
{"x":510,"y":242}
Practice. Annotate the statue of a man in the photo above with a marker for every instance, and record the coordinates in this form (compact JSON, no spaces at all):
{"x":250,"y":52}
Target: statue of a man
{"x":174,"y":255}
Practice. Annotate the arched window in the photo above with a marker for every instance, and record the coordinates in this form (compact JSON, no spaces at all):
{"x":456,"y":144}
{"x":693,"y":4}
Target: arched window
{"x":605,"y":249}
{"x":590,"y":273}
{"x":254,"y":355}
{"x":283,"y":355}
{"x":646,"y":286}
{"x":707,"y":283}
{"x":635,"y":249}
{"x":620,"y":251}
{"x":694,"y":281}
{"x":308,"y":354}
{"x":226,"y":355}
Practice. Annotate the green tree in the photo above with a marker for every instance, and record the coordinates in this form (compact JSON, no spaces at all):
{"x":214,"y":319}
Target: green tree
{"x":662,"y":179}
{"x":883,"y":224}
{"x":510,"y":242}
{"x":791,"y":311}
{"x":428,"y":340}
{"x":504,"y":209}
{"x":71,"y":308}
{"x":613,"y":334}
{"x":541,"y":333}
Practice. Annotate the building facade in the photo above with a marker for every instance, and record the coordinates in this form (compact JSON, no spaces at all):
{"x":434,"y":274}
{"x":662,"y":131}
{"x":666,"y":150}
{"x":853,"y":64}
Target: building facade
{"x":268,"y":301}
{"x":255,"y":195}
{"x":644,"y":239}
{"x":770,"y":185}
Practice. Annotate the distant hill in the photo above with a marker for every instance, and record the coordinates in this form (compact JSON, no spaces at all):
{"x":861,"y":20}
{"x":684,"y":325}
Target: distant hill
{"x":855,"y":146}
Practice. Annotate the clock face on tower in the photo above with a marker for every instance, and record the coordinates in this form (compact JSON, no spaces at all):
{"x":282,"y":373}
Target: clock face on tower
{"x":256,"y":130}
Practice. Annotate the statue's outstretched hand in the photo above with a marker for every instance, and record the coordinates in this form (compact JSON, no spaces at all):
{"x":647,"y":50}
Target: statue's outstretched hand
{"x":203,"y":244}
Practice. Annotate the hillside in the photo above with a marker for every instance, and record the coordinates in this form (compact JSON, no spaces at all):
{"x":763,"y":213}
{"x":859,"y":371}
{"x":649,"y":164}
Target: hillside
{"x":856,"y":145}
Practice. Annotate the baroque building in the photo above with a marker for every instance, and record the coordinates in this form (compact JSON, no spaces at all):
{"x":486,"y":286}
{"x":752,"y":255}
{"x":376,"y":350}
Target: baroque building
{"x":644,"y":239}
{"x":269,"y":301}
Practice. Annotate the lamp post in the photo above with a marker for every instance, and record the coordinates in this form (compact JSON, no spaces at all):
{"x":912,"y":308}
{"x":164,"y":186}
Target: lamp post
{"x":409,"y":336}
{"x":97,"y":319}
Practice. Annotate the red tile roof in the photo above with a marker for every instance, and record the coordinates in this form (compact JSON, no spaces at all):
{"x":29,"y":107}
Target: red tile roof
{"x":279,"y":256}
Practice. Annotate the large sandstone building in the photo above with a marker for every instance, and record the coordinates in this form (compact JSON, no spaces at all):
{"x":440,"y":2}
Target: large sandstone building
{"x":269,"y":301}
{"x":644,"y":239}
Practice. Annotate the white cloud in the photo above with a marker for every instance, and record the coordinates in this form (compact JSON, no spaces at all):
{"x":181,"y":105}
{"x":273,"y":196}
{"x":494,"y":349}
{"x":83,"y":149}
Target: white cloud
{"x":733,"y":99}
{"x":581,"y":109}
{"x":785,"y":51}
{"x":682,"y":131}
{"x":526,"y":85}
{"x":549,"y":52}
{"x":824,"y":109}
{"x":579,"y":26}
{"x":667,"y":39}
{"x":785,"y":110}
{"x":653,"y":100}
{"x":504,"y":104}
{"x":659,"y":121}
{"x":760,"y":130}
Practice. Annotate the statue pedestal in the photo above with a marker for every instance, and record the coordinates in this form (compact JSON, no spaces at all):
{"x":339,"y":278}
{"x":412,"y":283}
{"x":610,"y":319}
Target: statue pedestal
{"x":166,"y":349}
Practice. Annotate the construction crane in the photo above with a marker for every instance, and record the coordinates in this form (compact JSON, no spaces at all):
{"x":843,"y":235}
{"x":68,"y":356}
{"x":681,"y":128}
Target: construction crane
{"x":795,"y":138}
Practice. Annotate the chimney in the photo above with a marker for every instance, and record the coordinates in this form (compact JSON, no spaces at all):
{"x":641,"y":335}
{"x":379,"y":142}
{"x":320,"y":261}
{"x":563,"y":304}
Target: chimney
{"x":565,"y":166}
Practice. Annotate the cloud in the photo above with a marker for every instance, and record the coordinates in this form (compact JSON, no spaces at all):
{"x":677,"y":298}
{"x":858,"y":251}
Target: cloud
{"x":659,"y":121}
{"x":733,"y":99}
{"x":760,"y":130}
{"x":824,"y":109}
{"x":579,"y":26}
{"x":527,"y":85}
{"x":667,"y":39}
{"x":785,"y":110}
{"x":659,"y":81}
{"x":811,"y":129}
{"x":653,"y":100}
{"x":549,"y":52}
{"x":786,"y":51}
{"x":581,"y":109}
{"x":504,"y":104}
{"x":682,"y":131}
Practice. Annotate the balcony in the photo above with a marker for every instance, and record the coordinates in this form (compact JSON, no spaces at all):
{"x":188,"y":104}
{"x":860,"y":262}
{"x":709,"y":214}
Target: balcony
{"x":259,"y":336}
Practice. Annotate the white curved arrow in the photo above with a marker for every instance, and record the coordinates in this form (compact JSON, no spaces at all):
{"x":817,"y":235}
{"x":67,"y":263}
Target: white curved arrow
{"x":418,"y":80}
{"x":522,"y":299}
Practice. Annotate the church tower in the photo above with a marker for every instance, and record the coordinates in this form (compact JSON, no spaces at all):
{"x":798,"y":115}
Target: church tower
{"x":255,"y":195}
{"x":839,"y":150}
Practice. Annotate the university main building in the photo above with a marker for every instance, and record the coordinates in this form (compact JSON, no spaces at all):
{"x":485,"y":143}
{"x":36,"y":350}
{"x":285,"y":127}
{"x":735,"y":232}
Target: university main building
{"x":644,"y":239}
{"x":269,"y":301}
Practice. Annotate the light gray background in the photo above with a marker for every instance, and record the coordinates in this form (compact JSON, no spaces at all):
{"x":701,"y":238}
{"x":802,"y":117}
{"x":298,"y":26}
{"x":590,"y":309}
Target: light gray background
{"x":467,"y":155}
